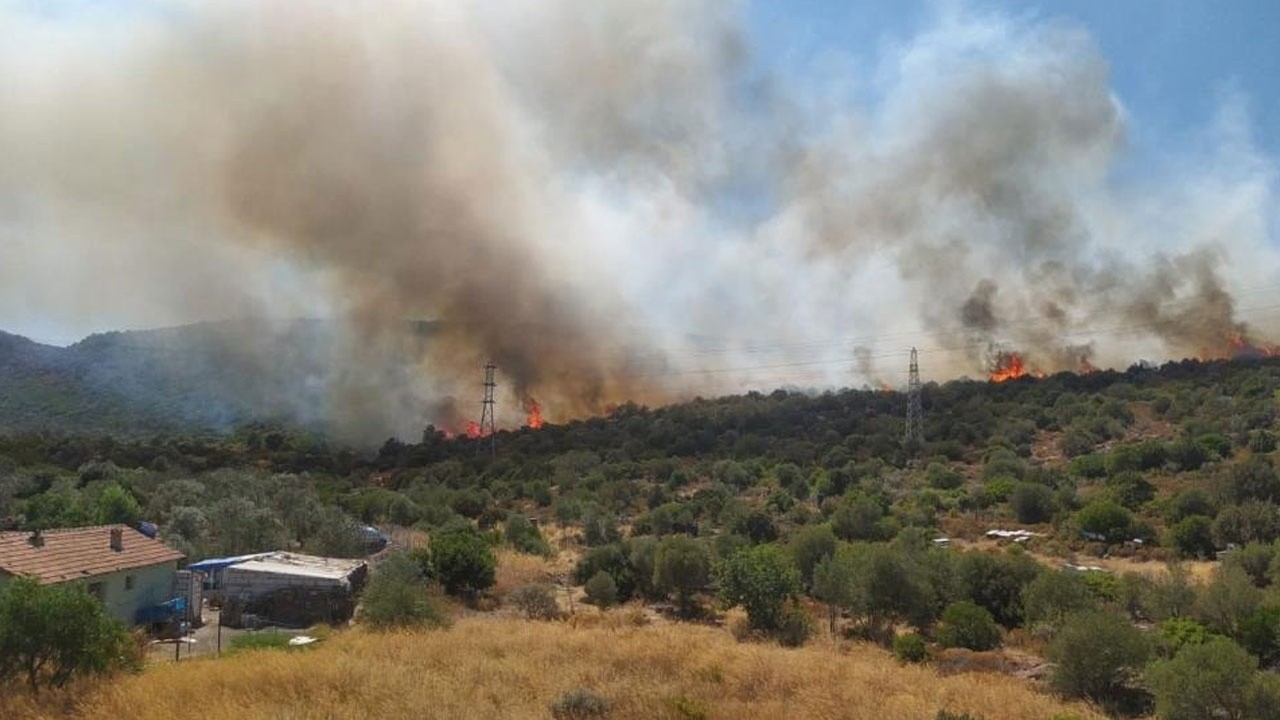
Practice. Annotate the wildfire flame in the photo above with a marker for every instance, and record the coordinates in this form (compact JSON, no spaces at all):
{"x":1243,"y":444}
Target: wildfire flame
{"x":1241,"y":346}
{"x":473,"y":429}
{"x":1007,"y":366}
{"x":534,"y":414}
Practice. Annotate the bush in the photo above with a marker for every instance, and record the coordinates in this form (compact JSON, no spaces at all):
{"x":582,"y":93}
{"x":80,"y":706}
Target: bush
{"x":942,"y":477}
{"x":537,"y":601}
{"x":681,"y":566}
{"x":760,"y":579}
{"x":910,"y":648}
{"x":1105,"y":519}
{"x":579,"y":705}
{"x":1054,"y":595}
{"x":967,"y":625}
{"x":400,"y":595}
{"x":1215,"y":679}
{"x":601,"y":590}
{"x":794,"y":626}
{"x":1096,"y":653}
{"x":1192,"y":537}
{"x":524,"y":536}
{"x":1032,"y":503}
{"x":50,"y":634}
{"x":462,"y":560}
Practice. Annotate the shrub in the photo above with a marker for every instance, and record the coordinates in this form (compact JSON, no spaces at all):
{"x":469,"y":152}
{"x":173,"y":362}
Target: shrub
{"x":579,"y":705}
{"x":808,"y":546}
{"x":399,"y":595}
{"x":760,"y":579}
{"x":910,"y":648}
{"x":794,"y":626}
{"x":1054,"y":595}
{"x":1262,"y":441}
{"x":1032,"y":503}
{"x":1215,"y":679}
{"x":682,"y":566}
{"x":1176,"y":632}
{"x":1096,"y":654}
{"x":942,"y":477}
{"x":1106,"y":519}
{"x":967,"y":625}
{"x":1192,"y":537}
{"x":524,"y":536}
{"x":601,"y":590}
{"x":462,"y":560}
{"x":50,"y":634}
{"x":537,"y":601}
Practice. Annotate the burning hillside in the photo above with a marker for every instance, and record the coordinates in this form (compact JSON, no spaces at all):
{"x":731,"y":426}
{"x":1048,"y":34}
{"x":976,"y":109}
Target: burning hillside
{"x":608,"y":221}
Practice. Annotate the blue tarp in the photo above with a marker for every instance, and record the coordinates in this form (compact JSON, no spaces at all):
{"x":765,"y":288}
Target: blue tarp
{"x":213,"y":564}
{"x":164,"y":612}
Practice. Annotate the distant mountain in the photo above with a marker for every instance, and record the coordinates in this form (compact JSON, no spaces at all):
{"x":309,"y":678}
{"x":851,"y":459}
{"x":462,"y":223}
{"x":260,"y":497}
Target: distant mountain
{"x":203,"y":377}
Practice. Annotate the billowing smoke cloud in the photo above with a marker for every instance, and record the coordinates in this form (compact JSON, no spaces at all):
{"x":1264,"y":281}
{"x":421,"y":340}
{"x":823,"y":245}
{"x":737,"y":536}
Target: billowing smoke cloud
{"x":610,"y":201}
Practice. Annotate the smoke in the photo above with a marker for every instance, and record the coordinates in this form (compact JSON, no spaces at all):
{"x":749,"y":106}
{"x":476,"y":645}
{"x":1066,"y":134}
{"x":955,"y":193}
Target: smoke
{"x":610,"y":201}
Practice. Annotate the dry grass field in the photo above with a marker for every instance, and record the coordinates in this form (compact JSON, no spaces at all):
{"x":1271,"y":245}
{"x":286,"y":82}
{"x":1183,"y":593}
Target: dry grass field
{"x":490,"y":667}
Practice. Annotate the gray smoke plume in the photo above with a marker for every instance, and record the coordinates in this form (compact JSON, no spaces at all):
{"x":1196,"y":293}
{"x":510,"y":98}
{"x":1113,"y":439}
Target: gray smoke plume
{"x":610,"y":201}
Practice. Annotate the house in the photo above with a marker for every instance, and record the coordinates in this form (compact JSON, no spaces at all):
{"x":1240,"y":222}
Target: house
{"x":124,"y":568}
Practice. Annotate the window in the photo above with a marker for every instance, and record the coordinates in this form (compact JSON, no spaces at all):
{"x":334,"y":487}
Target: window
{"x":97,"y":590}
{"x":128,"y":582}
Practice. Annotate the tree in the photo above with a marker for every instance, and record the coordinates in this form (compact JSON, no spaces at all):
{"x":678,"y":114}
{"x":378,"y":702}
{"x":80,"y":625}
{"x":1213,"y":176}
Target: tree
{"x":809,"y":546}
{"x":601,"y":590}
{"x":681,"y":567}
{"x":1032,"y":503}
{"x":524,"y":536}
{"x":1214,"y":679}
{"x":118,"y":506}
{"x":760,"y":579}
{"x":967,"y":625}
{"x":996,"y":582}
{"x":834,"y":581}
{"x":1105,"y":519}
{"x":1054,"y":595}
{"x":400,"y":595}
{"x":1192,"y":537}
{"x":52,"y":633}
{"x":1096,"y":654}
{"x":462,"y":560}
{"x":1229,"y":599}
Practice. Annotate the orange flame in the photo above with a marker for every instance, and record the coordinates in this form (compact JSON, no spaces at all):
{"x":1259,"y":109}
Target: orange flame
{"x":473,"y":429}
{"x":1242,"y":346}
{"x":534,"y":411}
{"x":1007,"y":366}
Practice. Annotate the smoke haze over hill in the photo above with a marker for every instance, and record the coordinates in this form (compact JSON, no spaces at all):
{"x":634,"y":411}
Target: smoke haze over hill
{"x":611,"y":201}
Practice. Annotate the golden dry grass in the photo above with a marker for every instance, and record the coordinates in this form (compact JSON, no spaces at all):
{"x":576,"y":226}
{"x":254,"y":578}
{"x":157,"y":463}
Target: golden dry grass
{"x":487,"y":667}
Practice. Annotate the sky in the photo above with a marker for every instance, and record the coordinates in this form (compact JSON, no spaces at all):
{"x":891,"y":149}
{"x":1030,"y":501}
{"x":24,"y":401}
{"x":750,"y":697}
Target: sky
{"x":1171,"y":61}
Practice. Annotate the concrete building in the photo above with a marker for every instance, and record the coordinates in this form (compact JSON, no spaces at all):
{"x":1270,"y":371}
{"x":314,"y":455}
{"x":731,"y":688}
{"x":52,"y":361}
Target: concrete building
{"x":125,"y":569}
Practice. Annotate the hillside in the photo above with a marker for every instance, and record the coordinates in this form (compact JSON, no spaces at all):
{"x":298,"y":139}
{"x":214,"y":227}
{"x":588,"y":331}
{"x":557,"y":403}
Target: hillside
{"x":514,"y":669}
{"x":206,"y":377}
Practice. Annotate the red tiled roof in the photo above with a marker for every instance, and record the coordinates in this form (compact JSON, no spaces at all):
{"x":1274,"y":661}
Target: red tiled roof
{"x":74,"y":553}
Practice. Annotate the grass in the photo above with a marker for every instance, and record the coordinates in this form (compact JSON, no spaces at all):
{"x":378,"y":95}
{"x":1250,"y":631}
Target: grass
{"x":265,"y":640}
{"x":491,"y":667}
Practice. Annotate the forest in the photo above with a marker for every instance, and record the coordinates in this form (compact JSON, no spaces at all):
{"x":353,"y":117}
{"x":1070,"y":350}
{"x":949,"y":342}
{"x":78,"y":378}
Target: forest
{"x":1150,"y":499}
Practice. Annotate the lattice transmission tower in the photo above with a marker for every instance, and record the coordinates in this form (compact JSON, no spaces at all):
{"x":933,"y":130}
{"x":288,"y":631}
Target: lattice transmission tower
{"x":914,"y":435}
{"x":488,"y":423}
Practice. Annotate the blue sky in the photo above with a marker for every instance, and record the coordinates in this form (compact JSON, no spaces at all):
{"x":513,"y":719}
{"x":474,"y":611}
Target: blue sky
{"x":1171,"y":61}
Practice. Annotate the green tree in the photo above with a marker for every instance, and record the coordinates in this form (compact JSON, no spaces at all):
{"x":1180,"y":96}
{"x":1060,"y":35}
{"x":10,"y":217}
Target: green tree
{"x":967,"y":625}
{"x":808,"y":546}
{"x":524,"y":536}
{"x":601,"y":590}
{"x":462,"y":560}
{"x":1032,"y":503}
{"x":834,"y":580}
{"x":681,"y":566}
{"x":1192,"y":537}
{"x":1105,"y":519}
{"x":1054,"y":595}
{"x":1096,"y":653}
{"x":1214,"y":679}
{"x":400,"y":595}
{"x":760,"y":579}
{"x":118,"y":506}
{"x":52,"y":633}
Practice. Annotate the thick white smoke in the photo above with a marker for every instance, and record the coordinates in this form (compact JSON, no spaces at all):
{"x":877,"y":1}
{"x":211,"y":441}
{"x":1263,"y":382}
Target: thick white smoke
{"x":613,"y":201}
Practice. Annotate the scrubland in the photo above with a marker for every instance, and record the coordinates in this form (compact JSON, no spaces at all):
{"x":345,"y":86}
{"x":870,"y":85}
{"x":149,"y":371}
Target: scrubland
{"x":489,"y":667}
